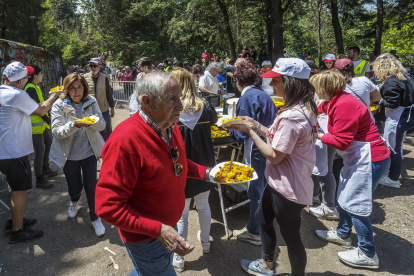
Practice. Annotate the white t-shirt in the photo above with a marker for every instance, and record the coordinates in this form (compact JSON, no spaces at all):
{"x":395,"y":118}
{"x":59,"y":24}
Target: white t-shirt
{"x":361,"y":86}
{"x":209,"y":82}
{"x":15,"y":126}
{"x":356,"y":64}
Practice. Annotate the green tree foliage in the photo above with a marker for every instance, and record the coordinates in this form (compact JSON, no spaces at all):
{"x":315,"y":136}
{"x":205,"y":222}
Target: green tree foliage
{"x":130,"y":29}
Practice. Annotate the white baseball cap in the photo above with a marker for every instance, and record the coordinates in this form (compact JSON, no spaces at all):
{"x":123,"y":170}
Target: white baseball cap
{"x":292,"y":67}
{"x":329,"y":58}
{"x":16,"y":71}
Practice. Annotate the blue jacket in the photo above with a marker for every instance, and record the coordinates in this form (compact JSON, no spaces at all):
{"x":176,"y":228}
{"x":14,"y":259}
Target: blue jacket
{"x":258,"y":105}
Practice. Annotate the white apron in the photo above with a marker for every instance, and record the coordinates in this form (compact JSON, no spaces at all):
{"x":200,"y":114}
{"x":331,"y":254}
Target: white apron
{"x":391,"y":123}
{"x":321,"y":165}
{"x":355,"y":183}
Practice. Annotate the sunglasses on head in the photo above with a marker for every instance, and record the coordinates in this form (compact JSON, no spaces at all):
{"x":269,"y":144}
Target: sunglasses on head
{"x":178,"y":168}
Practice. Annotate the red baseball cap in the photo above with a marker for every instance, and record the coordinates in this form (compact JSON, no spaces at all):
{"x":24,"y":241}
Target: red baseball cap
{"x":344,"y":64}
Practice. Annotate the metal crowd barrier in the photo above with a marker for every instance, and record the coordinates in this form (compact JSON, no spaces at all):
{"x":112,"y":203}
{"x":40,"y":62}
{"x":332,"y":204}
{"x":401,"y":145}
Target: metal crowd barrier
{"x":122,"y":91}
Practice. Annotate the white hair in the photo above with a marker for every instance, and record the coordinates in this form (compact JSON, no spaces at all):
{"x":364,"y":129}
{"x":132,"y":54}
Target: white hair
{"x":240,"y":61}
{"x":213,"y":66}
{"x":154,"y":85}
{"x":267,"y":62}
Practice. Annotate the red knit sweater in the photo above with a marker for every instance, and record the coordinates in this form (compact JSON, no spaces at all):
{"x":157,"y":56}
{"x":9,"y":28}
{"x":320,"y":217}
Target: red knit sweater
{"x":349,"y":120}
{"x":138,"y":189}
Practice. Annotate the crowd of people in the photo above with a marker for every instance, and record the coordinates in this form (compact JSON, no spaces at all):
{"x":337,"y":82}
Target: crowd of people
{"x":160,"y":158}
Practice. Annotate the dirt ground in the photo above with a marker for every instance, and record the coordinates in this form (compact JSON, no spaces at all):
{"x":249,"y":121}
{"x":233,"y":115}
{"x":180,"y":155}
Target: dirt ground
{"x":70,"y":247}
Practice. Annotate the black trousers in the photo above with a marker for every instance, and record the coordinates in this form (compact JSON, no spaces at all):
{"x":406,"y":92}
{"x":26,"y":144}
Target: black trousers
{"x":82,"y":174}
{"x":288,"y":215}
{"x":41,"y":145}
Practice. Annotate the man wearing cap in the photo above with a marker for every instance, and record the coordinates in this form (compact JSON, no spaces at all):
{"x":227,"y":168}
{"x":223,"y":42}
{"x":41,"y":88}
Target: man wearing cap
{"x":361,"y":67}
{"x":99,"y":87}
{"x":16,"y":144}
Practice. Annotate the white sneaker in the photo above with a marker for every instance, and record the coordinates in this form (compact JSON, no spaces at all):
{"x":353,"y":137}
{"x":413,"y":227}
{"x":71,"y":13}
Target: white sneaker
{"x":316,"y":200}
{"x":204,"y":245}
{"x":178,"y":262}
{"x":331,"y":236}
{"x":324,"y":212}
{"x":99,"y":228}
{"x":356,"y":258}
{"x":73,"y":209}
{"x":386,"y":181}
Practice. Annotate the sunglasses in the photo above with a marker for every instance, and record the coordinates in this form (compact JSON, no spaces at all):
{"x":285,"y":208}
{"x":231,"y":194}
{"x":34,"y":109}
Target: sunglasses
{"x":28,"y":77}
{"x":177,"y":166}
{"x":94,"y":66}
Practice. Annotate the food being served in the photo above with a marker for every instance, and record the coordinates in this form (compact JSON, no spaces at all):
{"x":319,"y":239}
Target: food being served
{"x":374,"y":107}
{"x":231,"y":120}
{"x":57,"y":89}
{"x":88,"y":120}
{"x":238,"y":173}
{"x":278,"y":101}
{"x":217,"y":132}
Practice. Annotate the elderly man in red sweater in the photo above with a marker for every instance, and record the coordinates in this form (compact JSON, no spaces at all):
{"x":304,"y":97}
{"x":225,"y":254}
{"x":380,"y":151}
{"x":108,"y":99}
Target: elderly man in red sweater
{"x":143,"y":175}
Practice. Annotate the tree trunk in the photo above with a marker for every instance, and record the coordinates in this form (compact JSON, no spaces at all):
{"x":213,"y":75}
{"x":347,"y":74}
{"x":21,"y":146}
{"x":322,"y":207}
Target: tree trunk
{"x":380,"y":22}
{"x":337,"y":27}
{"x":318,"y":16}
{"x":277,"y":29}
{"x":223,"y":9}
{"x":268,"y":22}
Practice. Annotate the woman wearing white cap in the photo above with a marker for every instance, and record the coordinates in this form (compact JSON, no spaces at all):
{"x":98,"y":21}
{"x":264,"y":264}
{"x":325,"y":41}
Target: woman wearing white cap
{"x":366,"y":160}
{"x":328,"y":62}
{"x":290,"y":154}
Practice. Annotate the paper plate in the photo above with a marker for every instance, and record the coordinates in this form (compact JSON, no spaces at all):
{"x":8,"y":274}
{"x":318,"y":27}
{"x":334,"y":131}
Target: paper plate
{"x":217,"y":168}
{"x":231,"y":101}
{"x":226,"y":117}
{"x":92,"y":116}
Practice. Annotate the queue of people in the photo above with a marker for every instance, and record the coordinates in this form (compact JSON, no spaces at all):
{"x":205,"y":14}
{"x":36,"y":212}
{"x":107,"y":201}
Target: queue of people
{"x":160,"y":158}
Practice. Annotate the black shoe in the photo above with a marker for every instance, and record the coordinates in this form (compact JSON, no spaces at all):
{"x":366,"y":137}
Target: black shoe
{"x":25,"y":235}
{"x":26,"y":224}
{"x":41,"y":183}
{"x":48,"y":172}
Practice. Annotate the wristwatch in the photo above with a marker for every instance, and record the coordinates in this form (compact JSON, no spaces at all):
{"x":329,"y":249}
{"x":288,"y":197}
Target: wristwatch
{"x":208,"y":174}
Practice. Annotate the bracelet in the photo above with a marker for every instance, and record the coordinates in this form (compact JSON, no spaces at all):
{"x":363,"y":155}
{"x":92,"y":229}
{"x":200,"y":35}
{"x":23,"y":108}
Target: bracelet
{"x":258,"y":124}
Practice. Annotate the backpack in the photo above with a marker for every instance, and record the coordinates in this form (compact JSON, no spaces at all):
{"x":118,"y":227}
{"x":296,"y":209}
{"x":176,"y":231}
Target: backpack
{"x":409,"y":88}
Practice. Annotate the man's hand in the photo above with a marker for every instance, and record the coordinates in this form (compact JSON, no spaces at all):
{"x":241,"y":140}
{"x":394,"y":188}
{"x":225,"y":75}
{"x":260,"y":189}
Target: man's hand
{"x":173,"y":242}
{"x":112,"y":112}
{"x":230,"y":74}
{"x":320,"y":135}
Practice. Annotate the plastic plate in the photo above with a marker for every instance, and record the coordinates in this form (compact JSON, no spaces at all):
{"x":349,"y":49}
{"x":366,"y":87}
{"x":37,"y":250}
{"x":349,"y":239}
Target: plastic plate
{"x":217,"y":168}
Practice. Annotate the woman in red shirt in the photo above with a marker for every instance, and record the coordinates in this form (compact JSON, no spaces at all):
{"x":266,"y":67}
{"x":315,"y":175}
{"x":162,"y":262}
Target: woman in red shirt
{"x":128,"y":87}
{"x":366,"y":160}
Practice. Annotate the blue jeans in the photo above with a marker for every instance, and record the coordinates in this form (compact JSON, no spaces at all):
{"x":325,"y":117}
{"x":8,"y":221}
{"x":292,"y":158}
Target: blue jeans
{"x":255,"y":192}
{"x":150,"y":258}
{"x":396,"y":159}
{"x":362,"y":224}
{"x":108,"y":128}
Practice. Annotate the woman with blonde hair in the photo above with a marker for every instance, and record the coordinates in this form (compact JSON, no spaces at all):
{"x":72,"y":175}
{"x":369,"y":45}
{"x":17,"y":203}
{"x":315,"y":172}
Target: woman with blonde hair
{"x":77,"y":146}
{"x":366,"y":160}
{"x":196,"y":120}
{"x":397,"y":92}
